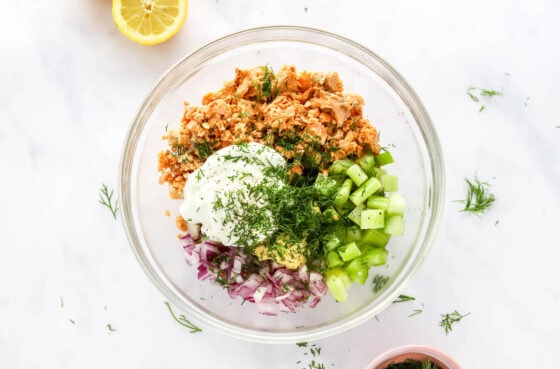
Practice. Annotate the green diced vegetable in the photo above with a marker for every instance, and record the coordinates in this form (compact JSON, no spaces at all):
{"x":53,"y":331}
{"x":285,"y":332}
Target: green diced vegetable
{"x":376,"y":238}
{"x":379,"y":172}
{"x":389,"y":182}
{"x":368,"y":188}
{"x":372,"y":219}
{"x":357,"y":174}
{"x":367,"y":163}
{"x":384,"y":158}
{"x":353,"y":233}
{"x":356,"y":214}
{"x":375,"y":257}
{"x":349,"y":251}
{"x":325,"y":186}
{"x":331,"y":241}
{"x":331,"y":215}
{"x":397,"y":204}
{"x":394,"y":225}
{"x":333,"y":259}
{"x":357,"y":271}
{"x":343,"y":192}
{"x":340,"y":166}
{"x":378,"y":202}
{"x":338,"y":282}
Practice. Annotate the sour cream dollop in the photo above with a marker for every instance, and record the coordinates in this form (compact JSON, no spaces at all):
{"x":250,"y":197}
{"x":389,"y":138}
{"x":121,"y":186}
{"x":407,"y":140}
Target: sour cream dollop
{"x":221,"y":195}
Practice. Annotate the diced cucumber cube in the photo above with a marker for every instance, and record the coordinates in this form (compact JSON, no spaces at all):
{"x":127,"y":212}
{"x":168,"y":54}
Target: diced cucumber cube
{"x":330,"y":215}
{"x":357,"y":271}
{"x":368,"y":188}
{"x":378,"y":202}
{"x":390,"y":183}
{"x":379,"y":172}
{"x":394,"y":225}
{"x":331,"y":241}
{"x":325,"y":186}
{"x":353,"y":234}
{"x":397,"y":204}
{"x":356,"y":214}
{"x":357,"y":174}
{"x":384,"y":158}
{"x":344,"y":209}
{"x":340,"y":166}
{"x":367,"y":163}
{"x":343,"y":192}
{"x":349,"y":251}
{"x":338,"y":282}
{"x":372,"y":219}
{"x":375,"y":257}
{"x":376,"y":237}
{"x":333,"y":259}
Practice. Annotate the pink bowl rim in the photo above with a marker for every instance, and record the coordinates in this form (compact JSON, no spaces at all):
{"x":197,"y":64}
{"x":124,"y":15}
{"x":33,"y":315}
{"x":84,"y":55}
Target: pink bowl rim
{"x":420,"y":349}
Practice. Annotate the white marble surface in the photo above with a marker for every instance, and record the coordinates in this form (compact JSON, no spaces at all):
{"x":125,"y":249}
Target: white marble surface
{"x":70,"y":85}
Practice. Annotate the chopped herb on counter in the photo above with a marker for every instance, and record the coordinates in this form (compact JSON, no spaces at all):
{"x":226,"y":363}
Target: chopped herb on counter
{"x":478,"y":198}
{"x":181,"y":319}
{"x":72,"y":321}
{"x":403,"y":298}
{"x":447,"y":320}
{"x":110,"y":328}
{"x":106,"y":199}
{"x":475,"y":93}
{"x":61,"y":302}
{"x":416,"y":312}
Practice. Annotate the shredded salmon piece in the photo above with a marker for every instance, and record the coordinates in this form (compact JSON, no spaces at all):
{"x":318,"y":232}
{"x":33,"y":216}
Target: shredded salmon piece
{"x":305,"y":116}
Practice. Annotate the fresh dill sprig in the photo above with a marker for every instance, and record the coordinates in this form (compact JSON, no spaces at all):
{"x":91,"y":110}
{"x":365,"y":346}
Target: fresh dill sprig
{"x":475,"y":93}
{"x":447,"y":320}
{"x":416,"y":312}
{"x":301,"y":344}
{"x":379,"y":281}
{"x":181,"y":319}
{"x":403,"y":298}
{"x":110,"y":328}
{"x":478,"y":198}
{"x":106,"y":199}
{"x":429,"y":365}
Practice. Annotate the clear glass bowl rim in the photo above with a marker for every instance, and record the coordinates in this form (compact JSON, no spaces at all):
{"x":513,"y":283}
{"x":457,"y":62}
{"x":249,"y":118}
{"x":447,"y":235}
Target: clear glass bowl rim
{"x":291,"y":34}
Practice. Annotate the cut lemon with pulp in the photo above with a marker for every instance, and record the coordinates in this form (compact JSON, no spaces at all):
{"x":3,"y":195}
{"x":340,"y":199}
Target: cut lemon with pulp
{"x":149,"y":22}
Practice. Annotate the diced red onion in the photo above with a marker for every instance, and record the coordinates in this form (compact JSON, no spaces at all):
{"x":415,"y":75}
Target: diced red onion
{"x":272,"y":289}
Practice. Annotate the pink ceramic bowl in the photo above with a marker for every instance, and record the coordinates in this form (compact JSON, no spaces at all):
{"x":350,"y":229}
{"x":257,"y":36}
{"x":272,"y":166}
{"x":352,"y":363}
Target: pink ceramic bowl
{"x":415,"y":352}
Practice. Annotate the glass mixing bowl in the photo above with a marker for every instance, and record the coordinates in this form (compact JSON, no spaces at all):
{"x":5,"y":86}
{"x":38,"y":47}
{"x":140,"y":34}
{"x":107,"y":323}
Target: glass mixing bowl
{"x":390,"y":104}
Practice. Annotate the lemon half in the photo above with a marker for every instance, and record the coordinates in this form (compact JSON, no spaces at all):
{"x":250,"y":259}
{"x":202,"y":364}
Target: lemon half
{"x":149,"y":22}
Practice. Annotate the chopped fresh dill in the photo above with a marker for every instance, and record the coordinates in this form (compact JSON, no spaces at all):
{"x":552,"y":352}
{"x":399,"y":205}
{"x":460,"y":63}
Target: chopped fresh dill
{"x":403,"y":298}
{"x":475,"y":93}
{"x":61,"y":302}
{"x":106,"y":199}
{"x":490,"y":93}
{"x":182,"y":320}
{"x":478,"y":198}
{"x":413,"y":364}
{"x":110,"y":328}
{"x":204,"y":149}
{"x":472,"y":95}
{"x":301,"y":344}
{"x":268,"y":90}
{"x":379,"y":281}
{"x":447,"y":320}
{"x":72,"y":321}
{"x":416,"y":312}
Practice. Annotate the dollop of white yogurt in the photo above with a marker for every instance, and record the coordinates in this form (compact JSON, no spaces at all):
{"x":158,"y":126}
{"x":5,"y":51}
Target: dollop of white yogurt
{"x":220,"y":193}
